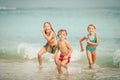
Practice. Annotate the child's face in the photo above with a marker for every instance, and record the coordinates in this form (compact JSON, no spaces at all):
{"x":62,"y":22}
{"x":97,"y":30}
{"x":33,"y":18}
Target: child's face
{"x":47,"y":27}
{"x":91,"y":29}
{"x":62,"y":35}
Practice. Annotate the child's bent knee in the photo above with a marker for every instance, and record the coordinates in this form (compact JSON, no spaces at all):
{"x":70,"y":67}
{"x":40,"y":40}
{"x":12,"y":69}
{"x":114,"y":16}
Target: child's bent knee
{"x":91,"y":63}
{"x":40,"y":54}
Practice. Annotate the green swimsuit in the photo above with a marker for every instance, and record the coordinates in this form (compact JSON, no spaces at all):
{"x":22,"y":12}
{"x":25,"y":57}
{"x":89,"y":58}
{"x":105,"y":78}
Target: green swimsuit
{"x":50,"y":49}
{"x":94,"y":41}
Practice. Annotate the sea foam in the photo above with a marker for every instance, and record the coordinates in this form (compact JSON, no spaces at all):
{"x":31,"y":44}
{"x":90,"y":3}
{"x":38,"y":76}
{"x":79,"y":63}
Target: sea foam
{"x":116,"y":58}
{"x":30,"y":51}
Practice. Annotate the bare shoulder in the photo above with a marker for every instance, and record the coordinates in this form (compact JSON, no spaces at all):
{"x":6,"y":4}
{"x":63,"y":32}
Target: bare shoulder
{"x":52,"y":33}
{"x":97,"y":35}
{"x":67,"y":43}
{"x":84,"y":38}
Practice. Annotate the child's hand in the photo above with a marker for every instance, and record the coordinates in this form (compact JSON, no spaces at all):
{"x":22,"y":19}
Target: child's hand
{"x":42,"y":30}
{"x":88,"y":41}
{"x":82,"y":49}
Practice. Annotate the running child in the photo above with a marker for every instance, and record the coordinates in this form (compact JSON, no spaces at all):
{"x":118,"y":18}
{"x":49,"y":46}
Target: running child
{"x":92,"y":43}
{"x":65,"y":51}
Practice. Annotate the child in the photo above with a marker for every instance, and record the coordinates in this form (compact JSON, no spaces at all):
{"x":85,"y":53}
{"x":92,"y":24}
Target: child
{"x":65,"y":51}
{"x":51,"y":44}
{"x":92,"y":43}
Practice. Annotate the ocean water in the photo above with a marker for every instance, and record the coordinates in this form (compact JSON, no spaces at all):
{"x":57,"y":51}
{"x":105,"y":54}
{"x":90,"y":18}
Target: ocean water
{"x":21,"y":39}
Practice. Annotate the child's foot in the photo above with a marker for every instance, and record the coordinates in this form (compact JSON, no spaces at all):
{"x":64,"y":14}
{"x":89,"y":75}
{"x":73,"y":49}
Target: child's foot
{"x":90,"y":66}
{"x":60,"y":72}
{"x":67,"y":72}
{"x":40,"y":67}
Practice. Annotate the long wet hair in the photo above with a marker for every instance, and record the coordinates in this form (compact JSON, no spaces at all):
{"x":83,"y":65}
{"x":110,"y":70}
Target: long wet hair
{"x":50,"y":26}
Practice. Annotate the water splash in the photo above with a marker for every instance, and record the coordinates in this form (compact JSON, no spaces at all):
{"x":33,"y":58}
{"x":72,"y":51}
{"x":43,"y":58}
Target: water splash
{"x":29,"y":50}
{"x":116,"y":58}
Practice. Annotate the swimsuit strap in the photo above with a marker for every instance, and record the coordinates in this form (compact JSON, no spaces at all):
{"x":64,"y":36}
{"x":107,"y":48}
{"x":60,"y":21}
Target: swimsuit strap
{"x":94,"y":40}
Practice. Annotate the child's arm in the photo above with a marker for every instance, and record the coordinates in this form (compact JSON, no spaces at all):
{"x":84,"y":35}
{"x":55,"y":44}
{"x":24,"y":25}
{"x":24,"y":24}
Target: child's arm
{"x":81,"y":40}
{"x":69,"y":49}
{"x":94,"y":44}
{"x":48,"y":38}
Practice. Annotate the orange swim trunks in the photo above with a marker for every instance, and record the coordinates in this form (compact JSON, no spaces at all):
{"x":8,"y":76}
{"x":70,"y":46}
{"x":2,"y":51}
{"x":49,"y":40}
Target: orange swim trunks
{"x":61,"y":58}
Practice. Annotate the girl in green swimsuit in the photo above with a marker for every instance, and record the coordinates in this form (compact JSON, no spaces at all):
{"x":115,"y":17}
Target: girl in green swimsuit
{"x":92,"y":43}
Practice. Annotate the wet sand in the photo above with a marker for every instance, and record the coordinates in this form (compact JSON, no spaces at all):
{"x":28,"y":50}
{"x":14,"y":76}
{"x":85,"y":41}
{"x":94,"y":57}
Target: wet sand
{"x":30,"y":70}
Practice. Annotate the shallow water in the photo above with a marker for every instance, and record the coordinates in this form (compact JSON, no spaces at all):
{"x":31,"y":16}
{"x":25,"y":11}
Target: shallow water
{"x":29,"y":70}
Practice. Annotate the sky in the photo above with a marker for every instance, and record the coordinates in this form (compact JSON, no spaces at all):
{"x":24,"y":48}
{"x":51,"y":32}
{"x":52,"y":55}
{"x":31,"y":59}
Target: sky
{"x":59,"y":3}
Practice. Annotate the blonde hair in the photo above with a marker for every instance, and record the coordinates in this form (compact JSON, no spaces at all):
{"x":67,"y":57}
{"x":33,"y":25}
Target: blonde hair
{"x":62,"y":30}
{"x":91,"y":25}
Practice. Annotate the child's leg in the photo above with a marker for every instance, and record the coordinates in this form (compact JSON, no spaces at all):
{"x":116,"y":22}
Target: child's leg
{"x":64,"y":64}
{"x":40,"y":53}
{"x":89,"y":56}
{"x":58,"y":64}
{"x":59,"y":68}
{"x":56,"y":60}
{"x":94,"y":56}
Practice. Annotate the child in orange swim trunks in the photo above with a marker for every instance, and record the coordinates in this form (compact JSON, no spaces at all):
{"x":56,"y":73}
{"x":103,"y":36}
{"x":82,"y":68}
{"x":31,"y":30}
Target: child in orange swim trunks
{"x":65,"y":51}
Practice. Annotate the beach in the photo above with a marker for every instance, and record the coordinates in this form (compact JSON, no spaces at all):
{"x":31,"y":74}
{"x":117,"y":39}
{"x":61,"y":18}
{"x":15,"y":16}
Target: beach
{"x":29,"y":70}
{"x":21,"y":39}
